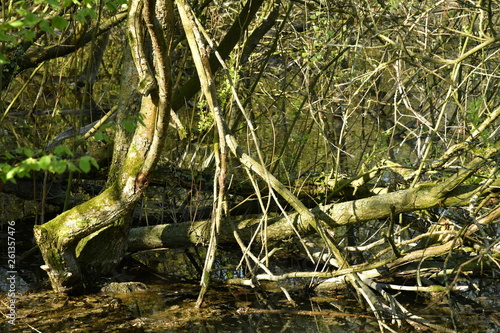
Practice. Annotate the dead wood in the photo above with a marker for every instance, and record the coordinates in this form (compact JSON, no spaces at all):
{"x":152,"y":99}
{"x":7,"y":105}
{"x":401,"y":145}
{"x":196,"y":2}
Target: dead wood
{"x":344,"y":213}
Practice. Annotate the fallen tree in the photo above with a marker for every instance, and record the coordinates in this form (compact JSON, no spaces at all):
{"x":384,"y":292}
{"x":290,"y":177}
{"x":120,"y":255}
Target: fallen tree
{"x":425,"y":196}
{"x":428,"y":257}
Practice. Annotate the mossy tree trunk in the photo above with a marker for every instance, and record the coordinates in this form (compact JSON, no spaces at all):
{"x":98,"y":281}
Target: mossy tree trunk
{"x":96,"y":255}
{"x":63,"y":240}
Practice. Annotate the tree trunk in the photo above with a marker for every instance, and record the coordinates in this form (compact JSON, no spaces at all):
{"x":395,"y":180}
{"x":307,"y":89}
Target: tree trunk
{"x":96,"y":255}
{"x":60,"y":240}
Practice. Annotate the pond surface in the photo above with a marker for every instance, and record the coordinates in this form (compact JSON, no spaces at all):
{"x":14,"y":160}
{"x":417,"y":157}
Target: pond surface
{"x":170,"y":307}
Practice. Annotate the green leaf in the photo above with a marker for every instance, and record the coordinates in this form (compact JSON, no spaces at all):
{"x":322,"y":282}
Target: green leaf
{"x":10,"y":174}
{"x":59,"y":23}
{"x":110,"y":6}
{"x":54,"y":4}
{"x":45,"y":162}
{"x":85,"y":13}
{"x":115,"y":4}
{"x":7,"y":38}
{"x":45,"y":26}
{"x":63,"y":150}
{"x":4,"y":167}
{"x":16,"y":24}
{"x":72,"y":167}
{"x":5,"y":178}
{"x":30,"y":164}
{"x":129,"y":126}
{"x":29,"y":35}
{"x":101,"y":137}
{"x":31,"y":19}
{"x":94,"y":162}
{"x":21,"y":11}
{"x":28,"y":152}
{"x":23,"y":170}
{"x":3,"y":59}
{"x":59,"y":167}
{"x":84,"y":164}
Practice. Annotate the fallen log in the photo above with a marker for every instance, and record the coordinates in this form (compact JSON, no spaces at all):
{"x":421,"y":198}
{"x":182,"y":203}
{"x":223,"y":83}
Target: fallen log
{"x":282,"y":227}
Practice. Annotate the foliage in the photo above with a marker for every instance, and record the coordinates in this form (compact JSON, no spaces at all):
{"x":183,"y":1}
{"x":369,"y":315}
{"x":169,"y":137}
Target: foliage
{"x":53,"y":163}
{"x":206,"y":119}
